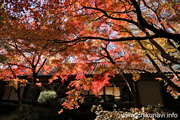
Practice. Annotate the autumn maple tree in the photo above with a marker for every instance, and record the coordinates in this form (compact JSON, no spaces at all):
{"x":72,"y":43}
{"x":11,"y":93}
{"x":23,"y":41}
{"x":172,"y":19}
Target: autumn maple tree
{"x":104,"y":31}
{"x":24,"y":51}
{"x":23,"y":58}
{"x":26,"y":45}
{"x":149,"y":27}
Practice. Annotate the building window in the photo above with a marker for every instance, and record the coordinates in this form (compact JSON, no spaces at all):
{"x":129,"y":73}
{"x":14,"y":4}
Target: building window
{"x":111,"y":93}
{"x":114,"y":91}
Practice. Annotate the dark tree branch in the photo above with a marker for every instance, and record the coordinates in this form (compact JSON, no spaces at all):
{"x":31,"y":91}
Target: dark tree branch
{"x":19,"y":65}
{"x":165,"y":78}
{"x":155,"y":14}
{"x":108,"y":56}
{"x":115,"y":40}
{"x":174,"y":72}
{"x":39,"y":57}
{"x":14,"y":75}
{"x":16,"y":46}
{"x":108,"y":16}
{"x":163,"y":53}
{"x":107,"y":39}
{"x":144,"y":23}
{"x":42,"y":65}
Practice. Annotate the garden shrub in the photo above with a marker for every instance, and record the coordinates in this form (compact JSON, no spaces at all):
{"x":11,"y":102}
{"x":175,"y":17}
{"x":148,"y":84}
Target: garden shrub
{"x":46,"y":95}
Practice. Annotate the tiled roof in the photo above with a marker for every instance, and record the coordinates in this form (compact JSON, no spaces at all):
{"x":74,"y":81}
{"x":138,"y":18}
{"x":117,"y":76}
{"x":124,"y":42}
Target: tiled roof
{"x":136,"y":68}
{"x":94,"y":68}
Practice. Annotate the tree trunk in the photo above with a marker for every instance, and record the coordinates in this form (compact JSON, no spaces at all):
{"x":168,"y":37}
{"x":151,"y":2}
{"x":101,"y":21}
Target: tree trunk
{"x":34,"y":88}
{"x":128,"y":82}
{"x":19,"y":94}
{"x":133,"y":94}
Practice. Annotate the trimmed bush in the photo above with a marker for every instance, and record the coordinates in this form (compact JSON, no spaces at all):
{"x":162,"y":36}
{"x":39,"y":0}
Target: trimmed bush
{"x":46,"y":95}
